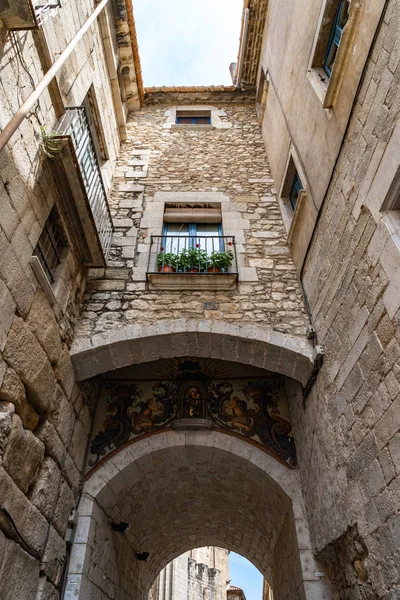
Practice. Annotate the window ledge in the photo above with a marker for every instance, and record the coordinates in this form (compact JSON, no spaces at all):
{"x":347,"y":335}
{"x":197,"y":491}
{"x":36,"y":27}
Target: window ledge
{"x":42,"y":279}
{"x":297,"y":216}
{"x":190,"y":127}
{"x":192,"y":281}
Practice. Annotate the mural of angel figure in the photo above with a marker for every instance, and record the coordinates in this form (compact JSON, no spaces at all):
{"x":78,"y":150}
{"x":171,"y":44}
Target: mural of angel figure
{"x":235,"y":412}
{"x":152,"y":412}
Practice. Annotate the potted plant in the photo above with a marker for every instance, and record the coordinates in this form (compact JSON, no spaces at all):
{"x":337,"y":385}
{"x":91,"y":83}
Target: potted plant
{"x":220,"y":261}
{"x":184,"y":260}
{"x":192,"y":260}
{"x":198,"y":259}
{"x":167,"y":262}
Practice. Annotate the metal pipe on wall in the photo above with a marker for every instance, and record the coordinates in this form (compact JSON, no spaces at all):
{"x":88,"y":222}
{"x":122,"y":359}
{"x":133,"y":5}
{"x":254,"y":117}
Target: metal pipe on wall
{"x":26,"y":107}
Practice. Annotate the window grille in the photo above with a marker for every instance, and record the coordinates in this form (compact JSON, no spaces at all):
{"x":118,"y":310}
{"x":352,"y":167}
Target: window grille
{"x":51,"y":244}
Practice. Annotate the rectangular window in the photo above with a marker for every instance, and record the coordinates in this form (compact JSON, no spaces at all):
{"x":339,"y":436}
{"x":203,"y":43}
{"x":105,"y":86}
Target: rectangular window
{"x":206,"y":236}
{"x":187,"y":117}
{"x":51,"y":244}
{"x":295,"y":190}
{"x":340,"y":20}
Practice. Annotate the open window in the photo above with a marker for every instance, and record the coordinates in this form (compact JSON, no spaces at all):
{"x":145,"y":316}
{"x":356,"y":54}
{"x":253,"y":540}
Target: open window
{"x":339,"y":21}
{"x":191,"y":247}
{"x":332,"y":49}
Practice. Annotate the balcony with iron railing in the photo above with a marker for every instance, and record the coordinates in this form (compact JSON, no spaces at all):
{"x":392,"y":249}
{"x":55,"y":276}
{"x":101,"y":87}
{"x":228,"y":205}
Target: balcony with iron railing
{"x":27,"y":14}
{"x":81,"y":186}
{"x":192,"y":262}
{"x":45,"y":10}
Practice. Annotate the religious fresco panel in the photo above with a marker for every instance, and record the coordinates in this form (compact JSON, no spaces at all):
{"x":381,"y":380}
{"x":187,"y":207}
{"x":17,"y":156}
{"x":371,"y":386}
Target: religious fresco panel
{"x":254,"y":408}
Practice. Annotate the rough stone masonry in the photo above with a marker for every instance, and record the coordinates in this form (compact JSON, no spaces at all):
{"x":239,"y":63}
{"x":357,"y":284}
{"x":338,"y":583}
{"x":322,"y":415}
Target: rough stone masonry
{"x":231,"y":161}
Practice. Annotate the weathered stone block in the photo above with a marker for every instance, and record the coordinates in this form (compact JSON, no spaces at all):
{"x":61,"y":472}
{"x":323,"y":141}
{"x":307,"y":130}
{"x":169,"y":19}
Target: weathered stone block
{"x":23,"y":455}
{"x":62,"y":415}
{"x":6,"y":413}
{"x":42,"y":322}
{"x":19,"y":572}
{"x":13,"y":391}
{"x":26,"y":516}
{"x":25,"y":355}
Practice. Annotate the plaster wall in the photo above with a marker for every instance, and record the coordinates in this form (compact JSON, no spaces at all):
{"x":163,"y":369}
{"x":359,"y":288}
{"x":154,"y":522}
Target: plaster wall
{"x":295,"y":109}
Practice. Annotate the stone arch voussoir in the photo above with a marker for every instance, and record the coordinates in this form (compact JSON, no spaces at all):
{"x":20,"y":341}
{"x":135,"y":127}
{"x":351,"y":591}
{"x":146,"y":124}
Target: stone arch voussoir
{"x":246,"y":344}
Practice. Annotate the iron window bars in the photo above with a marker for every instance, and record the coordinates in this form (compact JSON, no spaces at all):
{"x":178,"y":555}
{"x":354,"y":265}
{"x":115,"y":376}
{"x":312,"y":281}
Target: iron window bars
{"x":200,"y":255}
{"x":50,"y":244}
{"x":75,"y":124}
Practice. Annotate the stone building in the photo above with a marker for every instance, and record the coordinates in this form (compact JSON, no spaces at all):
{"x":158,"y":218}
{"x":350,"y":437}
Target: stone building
{"x":200,"y":292}
{"x":235,"y":593}
{"x":202,"y":573}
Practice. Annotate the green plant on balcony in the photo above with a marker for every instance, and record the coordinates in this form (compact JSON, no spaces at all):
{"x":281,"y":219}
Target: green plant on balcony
{"x":49,"y":145}
{"x":192,"y":260}
{"x":220,"y":261}
{"x":167,"y":261}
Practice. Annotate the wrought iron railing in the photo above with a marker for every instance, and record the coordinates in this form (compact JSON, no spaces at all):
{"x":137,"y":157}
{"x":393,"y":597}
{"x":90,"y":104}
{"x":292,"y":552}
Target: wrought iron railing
{"x":75,"y":124}
{"x":44,"y":10}
{"x":204,"y":255}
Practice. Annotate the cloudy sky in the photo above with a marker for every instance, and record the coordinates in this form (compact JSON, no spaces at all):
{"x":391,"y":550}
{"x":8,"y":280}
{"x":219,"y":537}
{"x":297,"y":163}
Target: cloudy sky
{"x":187,"y":42}
{"x":244,"y":575}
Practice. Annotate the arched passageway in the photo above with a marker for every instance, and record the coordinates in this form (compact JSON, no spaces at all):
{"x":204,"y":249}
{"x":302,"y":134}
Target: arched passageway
{"x":178,"y":490}
{"x":246,"y":344}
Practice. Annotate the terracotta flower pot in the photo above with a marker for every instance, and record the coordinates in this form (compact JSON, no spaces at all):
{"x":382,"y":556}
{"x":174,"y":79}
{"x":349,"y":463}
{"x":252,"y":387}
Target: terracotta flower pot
{"x":166,"y":269}
{"x":214,"y":270}
{"x":193,"y":270}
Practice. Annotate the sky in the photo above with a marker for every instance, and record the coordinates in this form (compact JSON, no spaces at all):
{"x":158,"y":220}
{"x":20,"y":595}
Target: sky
{"x":243,"y":574}
{"x":185,"y":42}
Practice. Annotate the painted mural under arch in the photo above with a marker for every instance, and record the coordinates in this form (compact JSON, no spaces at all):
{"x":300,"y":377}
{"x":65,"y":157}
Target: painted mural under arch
{"x":192,"y":393}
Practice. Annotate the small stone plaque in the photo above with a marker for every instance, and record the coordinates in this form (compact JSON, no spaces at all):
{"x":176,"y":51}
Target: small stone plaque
{"x":210,"y":306}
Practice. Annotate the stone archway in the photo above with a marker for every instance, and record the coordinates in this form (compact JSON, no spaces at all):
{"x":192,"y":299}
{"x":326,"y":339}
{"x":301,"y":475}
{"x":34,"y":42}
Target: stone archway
{"x":178,"y":490}
{"x":246,"y":344}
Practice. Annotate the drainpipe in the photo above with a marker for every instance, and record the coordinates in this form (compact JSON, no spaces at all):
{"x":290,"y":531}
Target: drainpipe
{"x":242,"y":47}
{"x":26,"y":107}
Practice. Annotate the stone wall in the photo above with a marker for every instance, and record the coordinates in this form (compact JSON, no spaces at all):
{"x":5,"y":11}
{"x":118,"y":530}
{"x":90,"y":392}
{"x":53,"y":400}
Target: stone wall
{"x":157,"y":160}
{"x":198,"y":574}
{"x":111,"y":571}
{"x":204,"y":582}
{"x":44,"y":419}
{"x":348,"y":437}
